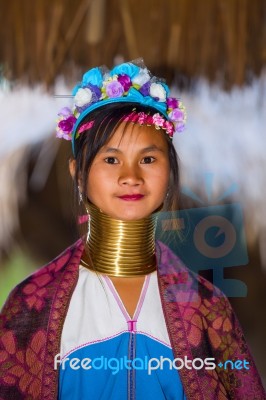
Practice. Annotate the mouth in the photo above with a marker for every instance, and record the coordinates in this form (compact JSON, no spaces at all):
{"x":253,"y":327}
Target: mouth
{"x":131,"y":197}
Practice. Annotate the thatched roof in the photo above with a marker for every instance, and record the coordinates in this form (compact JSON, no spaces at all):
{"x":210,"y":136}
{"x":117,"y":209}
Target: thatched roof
{"x":219,"y":39}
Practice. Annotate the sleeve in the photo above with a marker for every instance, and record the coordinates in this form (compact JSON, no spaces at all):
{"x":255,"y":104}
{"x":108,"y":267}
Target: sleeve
{"x":30,"y":324}
{"x":235,"y":365}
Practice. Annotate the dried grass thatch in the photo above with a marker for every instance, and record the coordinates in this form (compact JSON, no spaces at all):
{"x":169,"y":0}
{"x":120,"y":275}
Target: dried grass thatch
{"x":219,"y":39}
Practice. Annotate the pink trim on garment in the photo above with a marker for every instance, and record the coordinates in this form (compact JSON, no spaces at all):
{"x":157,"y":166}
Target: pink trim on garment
{"x":132,"y":323}
{"x":93,"y":342}
{"x":142,"y":296}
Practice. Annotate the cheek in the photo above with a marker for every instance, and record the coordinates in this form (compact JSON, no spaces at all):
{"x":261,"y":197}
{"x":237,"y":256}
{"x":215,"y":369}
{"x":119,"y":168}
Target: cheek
{"x":98,"y":183}
{"x":93,"y":186}
{"x":162,"y":176}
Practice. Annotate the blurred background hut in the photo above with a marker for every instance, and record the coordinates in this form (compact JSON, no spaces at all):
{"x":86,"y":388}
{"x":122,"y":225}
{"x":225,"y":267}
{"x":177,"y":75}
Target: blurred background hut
{"x":213,"y":52}
{"x":223,"y":39}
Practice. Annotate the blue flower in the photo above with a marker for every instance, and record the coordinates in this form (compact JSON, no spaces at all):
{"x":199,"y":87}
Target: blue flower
{"x":93,"y":77}
{"x":126,"y":68}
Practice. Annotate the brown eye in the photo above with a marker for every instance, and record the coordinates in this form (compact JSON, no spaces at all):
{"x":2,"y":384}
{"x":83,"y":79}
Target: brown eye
{"x":111,"y":160}
{"x":148,"y":160}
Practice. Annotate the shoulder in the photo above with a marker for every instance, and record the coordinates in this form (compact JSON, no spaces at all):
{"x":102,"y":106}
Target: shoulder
{"x":36,"y":283}
{"x":175,"y":272}
{"x":202,"y":305}
{"x":31,"y":319}
{"x":206,"y":323}
{"x":191,"y":293}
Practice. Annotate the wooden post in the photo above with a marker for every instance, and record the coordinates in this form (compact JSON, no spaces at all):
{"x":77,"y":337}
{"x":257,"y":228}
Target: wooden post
{"x":70,"y":36}
{"x":96,"y":22}
{"x":129,"y":30}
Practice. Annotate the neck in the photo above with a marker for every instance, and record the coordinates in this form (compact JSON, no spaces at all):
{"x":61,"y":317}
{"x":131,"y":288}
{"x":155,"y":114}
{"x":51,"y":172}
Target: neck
{"x":119,"y":248}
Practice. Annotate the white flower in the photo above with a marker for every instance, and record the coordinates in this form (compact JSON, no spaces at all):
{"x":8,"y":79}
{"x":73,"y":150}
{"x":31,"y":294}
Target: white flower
{"x":142,"y":77}
{"x":157,"y":90}
{"x":83,"y":97}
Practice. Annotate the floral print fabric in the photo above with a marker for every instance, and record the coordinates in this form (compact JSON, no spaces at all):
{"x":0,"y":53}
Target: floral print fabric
{"x":199,"y":320}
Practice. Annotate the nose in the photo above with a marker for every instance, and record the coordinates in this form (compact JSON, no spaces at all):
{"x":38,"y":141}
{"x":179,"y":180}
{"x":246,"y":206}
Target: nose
{"x":131,"y":176}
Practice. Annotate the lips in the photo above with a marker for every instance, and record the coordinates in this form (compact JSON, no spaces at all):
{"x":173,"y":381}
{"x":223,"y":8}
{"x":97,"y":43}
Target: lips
{"x":131,"y":197}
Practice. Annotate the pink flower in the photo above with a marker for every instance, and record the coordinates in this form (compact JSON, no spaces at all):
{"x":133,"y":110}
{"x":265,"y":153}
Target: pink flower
{"x":130,"y":117}
{"x":169,"y":128}
{"x":142,"y":118}
{"x":149,"y":120}
{"x":114,"y":89}
{"x":158,"y":120}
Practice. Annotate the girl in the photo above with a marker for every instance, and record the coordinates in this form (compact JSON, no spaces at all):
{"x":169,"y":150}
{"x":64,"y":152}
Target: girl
{"x":110,"y":317}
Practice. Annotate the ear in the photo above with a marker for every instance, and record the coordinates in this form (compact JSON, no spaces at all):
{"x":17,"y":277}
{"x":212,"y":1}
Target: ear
{"x":72,"y":167}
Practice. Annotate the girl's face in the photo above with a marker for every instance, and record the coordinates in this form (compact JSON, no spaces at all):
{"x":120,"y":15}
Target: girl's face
{"x":129,"y":176}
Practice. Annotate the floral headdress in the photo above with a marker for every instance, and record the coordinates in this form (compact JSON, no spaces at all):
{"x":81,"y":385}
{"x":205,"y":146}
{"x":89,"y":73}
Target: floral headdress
{"x":127,"y":82}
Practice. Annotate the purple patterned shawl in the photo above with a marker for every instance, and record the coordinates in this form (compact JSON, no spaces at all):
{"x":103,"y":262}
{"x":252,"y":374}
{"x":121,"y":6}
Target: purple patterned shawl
{"x":199,"y":320}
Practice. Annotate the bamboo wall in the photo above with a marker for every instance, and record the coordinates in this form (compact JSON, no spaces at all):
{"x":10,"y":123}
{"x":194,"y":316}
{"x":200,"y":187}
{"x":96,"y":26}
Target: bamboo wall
{"x":218,"y":39}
